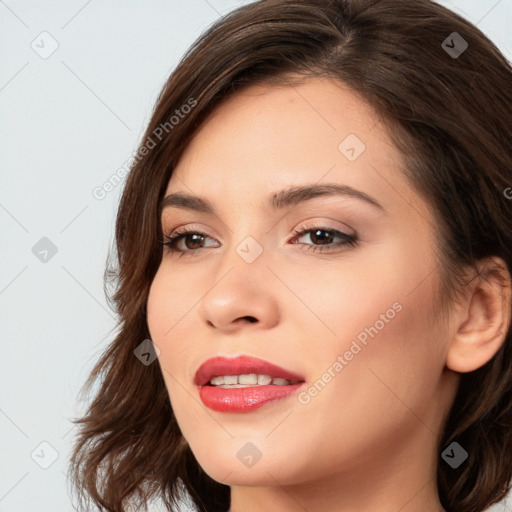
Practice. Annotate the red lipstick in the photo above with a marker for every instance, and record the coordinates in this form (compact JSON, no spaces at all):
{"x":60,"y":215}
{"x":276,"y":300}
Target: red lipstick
{"x":250,"y":396}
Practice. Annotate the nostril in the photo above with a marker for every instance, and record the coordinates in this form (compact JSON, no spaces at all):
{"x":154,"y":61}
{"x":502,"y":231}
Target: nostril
{"x":251,"y":319}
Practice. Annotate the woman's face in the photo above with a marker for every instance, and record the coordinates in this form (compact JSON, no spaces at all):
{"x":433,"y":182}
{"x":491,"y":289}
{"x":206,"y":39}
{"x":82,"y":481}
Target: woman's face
{"x":354,"y":321}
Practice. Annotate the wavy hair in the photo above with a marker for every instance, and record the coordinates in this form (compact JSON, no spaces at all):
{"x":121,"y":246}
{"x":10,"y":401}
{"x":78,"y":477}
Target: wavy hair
{"x":449,"y":115}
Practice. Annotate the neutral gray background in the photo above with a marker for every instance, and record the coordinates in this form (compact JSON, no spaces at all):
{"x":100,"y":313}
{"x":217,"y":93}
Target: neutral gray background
{"x":68,"y":122}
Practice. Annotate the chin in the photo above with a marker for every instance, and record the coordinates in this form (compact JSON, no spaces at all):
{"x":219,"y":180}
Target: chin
{"x":229,"y":470}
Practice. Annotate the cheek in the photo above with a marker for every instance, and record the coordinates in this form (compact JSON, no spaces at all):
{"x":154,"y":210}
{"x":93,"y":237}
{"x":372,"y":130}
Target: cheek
{"x":159,"y":308}
{"x":163,"y":314}
{"x":172,"y":326}
{"x":386,"y":357}
{"x":170,"y":298}
{"x":378,"y":292}
{"x":377,"y":317}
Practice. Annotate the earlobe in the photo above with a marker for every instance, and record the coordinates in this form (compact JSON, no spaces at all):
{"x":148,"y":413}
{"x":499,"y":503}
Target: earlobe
{"x":483,"y":320}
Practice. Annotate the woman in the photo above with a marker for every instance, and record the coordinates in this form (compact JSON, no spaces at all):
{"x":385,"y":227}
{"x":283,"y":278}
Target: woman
{"x":314,"y":255}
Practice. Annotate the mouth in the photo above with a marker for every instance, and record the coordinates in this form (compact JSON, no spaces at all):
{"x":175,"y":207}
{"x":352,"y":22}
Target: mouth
{"x":244,"y":383}
{"x":247,"y":380}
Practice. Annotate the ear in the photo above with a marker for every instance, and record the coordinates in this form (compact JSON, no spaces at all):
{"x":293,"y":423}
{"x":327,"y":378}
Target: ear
{"x":481,"y":318}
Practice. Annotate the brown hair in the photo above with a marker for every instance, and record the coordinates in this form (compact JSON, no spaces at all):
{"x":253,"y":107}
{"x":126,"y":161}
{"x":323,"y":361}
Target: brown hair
{"x":449,"y":116}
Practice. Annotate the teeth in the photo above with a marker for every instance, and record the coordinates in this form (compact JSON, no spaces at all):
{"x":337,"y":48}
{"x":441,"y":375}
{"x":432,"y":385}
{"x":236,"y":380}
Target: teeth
{"x":280,"y":382}
{"x":248,"y":379}
{"x":216,"y":381}
{"x":231,"y":379}
{"x":264,"y":379}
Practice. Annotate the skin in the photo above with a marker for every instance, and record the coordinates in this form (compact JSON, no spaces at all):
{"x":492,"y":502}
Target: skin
{"x":368,"y":439}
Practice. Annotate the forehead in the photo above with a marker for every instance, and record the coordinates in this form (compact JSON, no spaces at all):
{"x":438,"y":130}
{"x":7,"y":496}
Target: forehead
{"x":300,"y":114}
{"x":267,"y":138}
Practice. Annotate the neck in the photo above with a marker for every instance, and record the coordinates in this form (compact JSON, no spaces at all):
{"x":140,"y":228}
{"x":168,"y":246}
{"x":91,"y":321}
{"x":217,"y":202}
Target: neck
{"x":387,"y":481}
{"x":319,"y":497}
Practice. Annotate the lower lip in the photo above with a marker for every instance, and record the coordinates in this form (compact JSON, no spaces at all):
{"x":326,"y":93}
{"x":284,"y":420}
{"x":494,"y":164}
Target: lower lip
{"x":244,"y":399}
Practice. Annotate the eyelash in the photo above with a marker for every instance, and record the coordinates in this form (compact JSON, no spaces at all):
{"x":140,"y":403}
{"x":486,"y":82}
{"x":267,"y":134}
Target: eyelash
{"x":347,"y":240}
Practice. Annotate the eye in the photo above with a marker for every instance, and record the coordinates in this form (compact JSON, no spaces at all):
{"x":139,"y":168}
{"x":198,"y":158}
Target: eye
{"x":188,"y":240}
{"x":324,"y":236}
{"x":191,"y":239}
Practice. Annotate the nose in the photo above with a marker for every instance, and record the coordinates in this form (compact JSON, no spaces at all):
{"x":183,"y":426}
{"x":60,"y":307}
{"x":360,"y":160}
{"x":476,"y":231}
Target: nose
{"x":239,"y":296}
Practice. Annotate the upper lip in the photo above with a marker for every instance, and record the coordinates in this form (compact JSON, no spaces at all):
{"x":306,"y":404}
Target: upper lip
{"x":218,"y":366}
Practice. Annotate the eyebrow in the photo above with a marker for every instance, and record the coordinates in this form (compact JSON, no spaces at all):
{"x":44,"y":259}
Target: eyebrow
{"x":278,"y":200}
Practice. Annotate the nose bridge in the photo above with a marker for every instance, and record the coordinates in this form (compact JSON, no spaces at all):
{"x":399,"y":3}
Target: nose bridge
{"x":247,"y":241}
{"x":239,"y":289}
{"x":250,"y":250}
{"x":246,"y":236}
{"x":245,"y":262}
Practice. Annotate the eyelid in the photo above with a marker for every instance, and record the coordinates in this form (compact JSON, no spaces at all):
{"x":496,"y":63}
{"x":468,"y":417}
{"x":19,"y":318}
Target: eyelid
{"x":327,"y":223}
{"x":188,"y":227}
{"x":311,"y":223}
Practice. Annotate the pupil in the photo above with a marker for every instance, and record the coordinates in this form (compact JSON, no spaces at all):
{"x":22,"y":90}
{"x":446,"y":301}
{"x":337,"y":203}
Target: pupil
{"x":197,"y":238}
{"x":322,"y":239}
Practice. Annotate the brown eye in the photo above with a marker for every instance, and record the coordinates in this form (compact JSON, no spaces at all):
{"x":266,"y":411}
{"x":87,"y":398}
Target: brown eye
{"x":195,"y":240}
{"x":323,"y":238}
{"x":185,"y":241}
